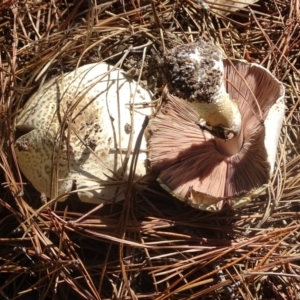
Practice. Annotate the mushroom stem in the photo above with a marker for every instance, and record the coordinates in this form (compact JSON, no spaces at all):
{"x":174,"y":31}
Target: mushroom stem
{"x":195,"y":72}
{"x":221,"y":116}
{"x":232,"y":146}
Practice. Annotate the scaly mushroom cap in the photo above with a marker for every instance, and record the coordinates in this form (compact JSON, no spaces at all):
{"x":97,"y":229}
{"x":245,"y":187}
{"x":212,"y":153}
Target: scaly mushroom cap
{"x":79,"y":128}
{"x":208,"y":172}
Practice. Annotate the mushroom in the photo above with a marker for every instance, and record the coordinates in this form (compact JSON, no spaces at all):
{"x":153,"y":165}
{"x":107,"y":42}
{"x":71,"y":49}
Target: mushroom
{"x":225,"y":7}
{"x":194,"y":163}
{"x":80,"y":129}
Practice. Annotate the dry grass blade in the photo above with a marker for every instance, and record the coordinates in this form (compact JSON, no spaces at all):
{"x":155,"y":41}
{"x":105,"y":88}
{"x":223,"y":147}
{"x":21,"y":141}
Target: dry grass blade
{"x":148,"y":246}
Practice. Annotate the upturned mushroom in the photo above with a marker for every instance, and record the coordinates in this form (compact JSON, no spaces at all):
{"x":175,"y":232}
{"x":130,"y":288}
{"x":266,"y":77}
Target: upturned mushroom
{"x":80,"y":129}
{"x":207,"y":150}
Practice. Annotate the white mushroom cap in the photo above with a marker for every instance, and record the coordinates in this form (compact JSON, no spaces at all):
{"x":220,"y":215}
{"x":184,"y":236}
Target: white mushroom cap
{"x":208,"y":172}
{"x":225,"y":7}
{"x":78,"y":128}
